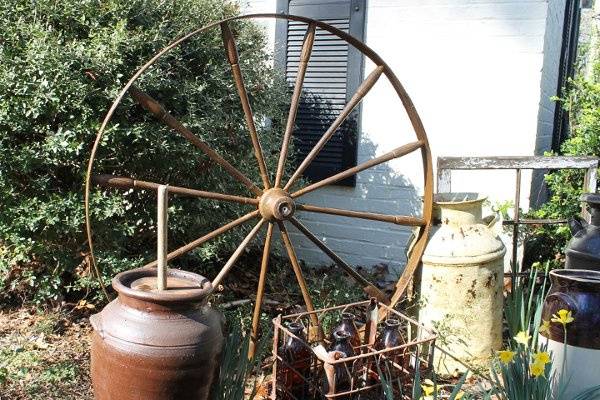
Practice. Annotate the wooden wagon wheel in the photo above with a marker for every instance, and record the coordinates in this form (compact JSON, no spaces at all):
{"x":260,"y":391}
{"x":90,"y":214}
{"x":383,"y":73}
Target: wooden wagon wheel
{"x":275,"y":204}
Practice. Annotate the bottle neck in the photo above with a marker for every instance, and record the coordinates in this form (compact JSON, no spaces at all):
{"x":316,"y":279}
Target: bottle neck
{"x":392,"y":325}
{"x":296,"y":330}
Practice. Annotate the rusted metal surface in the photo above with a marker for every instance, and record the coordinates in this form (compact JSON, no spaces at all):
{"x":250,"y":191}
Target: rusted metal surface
{"x":162,"y":115}
{"x":156,"y":345}
{"x":277,"y":205}
{"x":367,"y":286}
{"x":361,"y":92}
{"x":299,"y":277}
{"x":517,"y":216}
{"x":366,"y":363}
{"x":121,"y":182}
{"x":396,"y":153}
{"x":307,"y":45}
{"x":260,"y":290}
{"x":201,"y":240}
{"x":232,"y":57}
{"x":236,"y":254}
{"x":393,"y":219}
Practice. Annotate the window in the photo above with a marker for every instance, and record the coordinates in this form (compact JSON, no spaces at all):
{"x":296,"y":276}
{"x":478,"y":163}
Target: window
{"x":334,"y":72}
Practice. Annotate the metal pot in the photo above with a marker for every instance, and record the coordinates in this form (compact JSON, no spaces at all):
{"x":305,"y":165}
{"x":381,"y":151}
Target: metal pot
{"x":577,"y":291}
{"x":156,"y":345}
{"x":461,"y":282}
{"x":583,"y":251}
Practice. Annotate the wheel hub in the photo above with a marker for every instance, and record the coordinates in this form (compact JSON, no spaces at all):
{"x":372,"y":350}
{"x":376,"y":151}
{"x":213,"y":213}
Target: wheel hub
{"x":276,"y":204}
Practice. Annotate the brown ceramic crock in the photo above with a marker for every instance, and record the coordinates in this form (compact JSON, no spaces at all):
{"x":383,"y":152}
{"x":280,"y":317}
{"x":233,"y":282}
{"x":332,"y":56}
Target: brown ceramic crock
{"x":154,"y":345}
{"x":576,"y":361}
{"x":578,"y":291}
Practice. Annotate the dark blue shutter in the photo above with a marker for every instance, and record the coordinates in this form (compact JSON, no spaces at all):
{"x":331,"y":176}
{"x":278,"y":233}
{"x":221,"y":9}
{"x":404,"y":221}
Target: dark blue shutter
{"x":334,"y":72}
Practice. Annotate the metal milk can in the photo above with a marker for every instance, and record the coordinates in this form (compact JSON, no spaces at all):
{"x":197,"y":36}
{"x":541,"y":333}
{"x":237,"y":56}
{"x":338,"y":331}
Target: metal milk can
{"x":156,"y":345}
{"x":577,"y":291}
{"x":583,"y":251}
{"x":461,"y":283}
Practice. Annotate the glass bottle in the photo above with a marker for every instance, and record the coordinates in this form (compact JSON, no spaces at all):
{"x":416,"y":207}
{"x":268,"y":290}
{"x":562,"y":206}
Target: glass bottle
{"x":348,"y":326}
{"x":296,"y":355}
{"x":343,"y":378}
{"x":391,"y":337}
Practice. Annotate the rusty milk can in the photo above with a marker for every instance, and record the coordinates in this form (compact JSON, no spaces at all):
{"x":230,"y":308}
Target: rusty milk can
{"x":154,"y":345}
{"x":461,"y":283}
{"x":577,"y":291}
{"x":583,"y":251}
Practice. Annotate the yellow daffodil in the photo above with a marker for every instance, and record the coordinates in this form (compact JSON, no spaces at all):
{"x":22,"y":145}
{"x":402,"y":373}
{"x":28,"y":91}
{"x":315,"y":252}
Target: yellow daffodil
{"x":536,"y":369}
{"x":564,"y":317}
{"x":545,"y":327}
{"x":506,"y":356}
{"x":541,"y":357}
{"x":523,"y":338}
{"x":428,"y":390}
{"x":459,"y":395}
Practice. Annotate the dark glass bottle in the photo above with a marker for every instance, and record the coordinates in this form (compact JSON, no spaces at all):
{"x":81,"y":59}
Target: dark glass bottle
{"x":297,"y":356}
{"x":348,"y":326}
{"x":343,"y":371}
{"x":392,"y":337}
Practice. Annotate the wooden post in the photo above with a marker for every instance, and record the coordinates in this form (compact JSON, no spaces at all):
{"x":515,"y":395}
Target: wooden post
{"x":162,"y":235}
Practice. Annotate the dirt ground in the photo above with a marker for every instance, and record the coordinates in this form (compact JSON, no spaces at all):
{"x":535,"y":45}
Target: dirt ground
{"x":44,"y":355}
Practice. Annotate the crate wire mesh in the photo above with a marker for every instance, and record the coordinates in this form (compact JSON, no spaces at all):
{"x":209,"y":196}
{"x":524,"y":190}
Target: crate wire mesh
{"x":370,"y":371}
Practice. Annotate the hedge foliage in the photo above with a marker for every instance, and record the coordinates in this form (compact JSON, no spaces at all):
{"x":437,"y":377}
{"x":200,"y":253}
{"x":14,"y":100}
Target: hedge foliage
{"x":61,"y":65}
{"x":582,"y":102}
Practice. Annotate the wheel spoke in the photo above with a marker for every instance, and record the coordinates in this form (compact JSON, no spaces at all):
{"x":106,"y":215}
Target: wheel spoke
{"x":411,"y":265}
{"x":361,"y":92}
{"x":367,"y":286}
{"x":307,"y":46}
{"x":236,"y":254}
{"x":394,"y":219}
{"x":232,"y":57}
{"x":260,"y":291}
{"x":396,"y":153}
{"x":122,"y":182}
{"x":299,"y":277}
{"x":162,"y":115}
{"x":192,"y":245}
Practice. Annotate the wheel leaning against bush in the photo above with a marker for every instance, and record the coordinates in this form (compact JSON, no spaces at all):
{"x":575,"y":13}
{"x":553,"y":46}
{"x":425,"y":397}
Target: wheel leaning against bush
{"x":275,"y":204}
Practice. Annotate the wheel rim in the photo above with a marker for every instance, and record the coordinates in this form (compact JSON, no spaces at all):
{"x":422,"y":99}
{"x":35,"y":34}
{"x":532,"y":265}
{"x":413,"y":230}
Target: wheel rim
{"x":276,"y":204}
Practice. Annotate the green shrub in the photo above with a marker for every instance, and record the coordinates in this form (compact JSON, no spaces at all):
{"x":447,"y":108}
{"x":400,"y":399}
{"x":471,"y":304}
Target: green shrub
{"x":61,"y":65}
{"x":583,"y":105}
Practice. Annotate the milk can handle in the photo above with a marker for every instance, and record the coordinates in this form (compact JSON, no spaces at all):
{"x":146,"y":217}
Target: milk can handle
{"x":493,"y":218}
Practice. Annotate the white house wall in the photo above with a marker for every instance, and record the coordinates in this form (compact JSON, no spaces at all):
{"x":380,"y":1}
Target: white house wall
{"x":473,"y":69}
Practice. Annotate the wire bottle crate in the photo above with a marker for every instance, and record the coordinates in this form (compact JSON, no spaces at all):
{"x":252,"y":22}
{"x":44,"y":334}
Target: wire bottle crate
{"x":370,"y":373}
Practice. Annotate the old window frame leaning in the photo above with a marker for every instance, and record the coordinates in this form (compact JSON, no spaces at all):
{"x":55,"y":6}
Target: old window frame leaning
{"x":324,"y":82}
{"x":445,"y":166}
